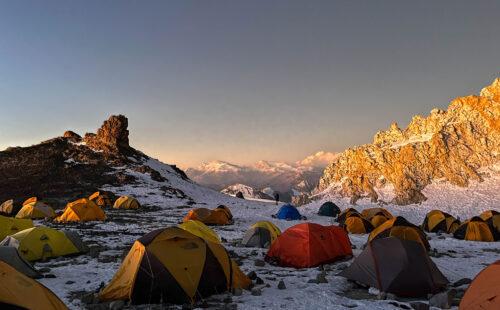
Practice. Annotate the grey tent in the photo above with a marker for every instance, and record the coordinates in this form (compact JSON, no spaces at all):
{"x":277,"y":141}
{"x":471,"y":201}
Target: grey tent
{"x":11,"y":256}
{"x":261,"y":235}
{"x":396,"y":266}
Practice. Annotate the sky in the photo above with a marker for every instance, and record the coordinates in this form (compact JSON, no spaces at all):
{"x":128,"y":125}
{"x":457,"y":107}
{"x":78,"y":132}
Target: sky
{"x":238,"y":81}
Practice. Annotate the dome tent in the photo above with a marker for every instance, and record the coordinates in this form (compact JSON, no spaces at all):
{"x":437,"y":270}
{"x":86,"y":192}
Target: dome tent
{"x":307,"y":245}
{"x":476,"y":229}
{"x":399,"y":227}
{"x":329,"y":209}
{"x":439,"y":221}
{"x":396,"y":266}
{"x":201,"y":230}
{"x":220,"y":216}
{"x":484,"y":290}
{"x":101,"y":200}
{"x":10,"y":226}
{"x":288,"y":212}
{"x":355,"y":224}
{"x":262,"y":235}
{"x":172,"y":265}
{"x":11,"y":256}
{"x":81,"y":210}
{"x":34,"y":208}
{"x":18,"y":291}
{"x":126,"y":202}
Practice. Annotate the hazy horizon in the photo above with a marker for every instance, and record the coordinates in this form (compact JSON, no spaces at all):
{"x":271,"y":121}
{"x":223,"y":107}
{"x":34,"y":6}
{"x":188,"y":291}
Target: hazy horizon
{"x":238,"y":81}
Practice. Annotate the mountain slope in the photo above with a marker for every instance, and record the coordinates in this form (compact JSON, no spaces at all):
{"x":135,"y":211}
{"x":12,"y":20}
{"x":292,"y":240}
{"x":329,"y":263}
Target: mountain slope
{"x":448,"y":145}
{"x":302,"y":175}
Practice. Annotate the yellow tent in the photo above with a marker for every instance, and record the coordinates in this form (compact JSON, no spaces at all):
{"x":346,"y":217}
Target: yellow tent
{"x":439,"y":221}
{"x":34,"y":199}
{"x":378,"y":219}
{"x":101,"y":200}
{"x":400,"y":228}
{"x":371,"y":212}
{"x":10,"y":226}
{"x":173,"y":266}
{"x":81,"y":210}
{"x":476,"y":229}
{"x":492,"y":217}
{"x":42,"y":242}
{"x":201,"y":230}
{"x":35,"y":210}
{"x":356,"y":224}
{"x":126,"y":202}
{"x":18,"y":291}
{"x":262,"y":234}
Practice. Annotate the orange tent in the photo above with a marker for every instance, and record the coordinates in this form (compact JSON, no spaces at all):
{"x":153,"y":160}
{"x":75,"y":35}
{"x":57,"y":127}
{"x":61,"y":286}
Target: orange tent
{"x":308,"y":244}
{"x":484,"y":290}
{"x":219,"y":216}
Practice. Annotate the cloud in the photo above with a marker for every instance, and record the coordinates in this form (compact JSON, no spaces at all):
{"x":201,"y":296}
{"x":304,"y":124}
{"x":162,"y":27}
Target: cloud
{"x":320,"y":159}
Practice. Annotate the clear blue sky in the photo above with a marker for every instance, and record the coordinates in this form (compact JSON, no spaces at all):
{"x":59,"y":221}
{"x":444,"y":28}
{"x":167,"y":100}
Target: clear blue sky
{"x":238,"y":80}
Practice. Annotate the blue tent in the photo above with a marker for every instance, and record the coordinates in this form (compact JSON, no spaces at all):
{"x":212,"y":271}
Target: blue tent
{"x":288,"y":212}
{"x":329,"y":209}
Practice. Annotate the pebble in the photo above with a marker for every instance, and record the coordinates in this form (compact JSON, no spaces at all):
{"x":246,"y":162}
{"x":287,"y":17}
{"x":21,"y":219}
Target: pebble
{"x":259,"y":281}
{"x":256,"y":292}
{"x":281,"y":285}
{"x":259,"y":263}
{"x":419,"y":305}
{"x":252,"y":275}
{"x":117,"y":305}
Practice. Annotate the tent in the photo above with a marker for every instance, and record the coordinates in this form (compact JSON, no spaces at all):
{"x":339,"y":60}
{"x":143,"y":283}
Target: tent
{"x":329,"y":209}
{"x":101,"y":200}
{"x":399,"y":227}
{"x":11,"y":256}
{"x":439,"y":221}
{"x":18,"y":291}
{"x":35,"y":210}
{"x":476,"y":229}
{"x":42,"y":242}
{"x":81,"y":210}
{"x":484,"y":291}
{"x":201,"y":230}
{"x":261,"y":235}
{"x":491,"y":217}
{"x":397,"y":266}
{"x":225,"y":210}
{"x":219,"y":216}
{"x":126,"y":202}
{"x":378,"y":219}
{"x":288,"y":212}
{"x":9,"y":207}
{"x":306,"y":245}
{"x":355,"y":224}
{"x":10,"y":226}
{"x":171,"y":265}
{"x":371,"y":212}
{"x":342,"y":215}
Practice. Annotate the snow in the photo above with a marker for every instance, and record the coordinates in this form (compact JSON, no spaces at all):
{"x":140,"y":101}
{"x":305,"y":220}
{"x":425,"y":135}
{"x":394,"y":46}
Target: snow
{"x":165,"y":209}
{"x":413,"y":139}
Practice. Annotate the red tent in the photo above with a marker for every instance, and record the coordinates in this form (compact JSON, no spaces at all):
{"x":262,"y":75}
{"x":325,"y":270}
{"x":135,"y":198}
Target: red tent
{"x":308,"y":244}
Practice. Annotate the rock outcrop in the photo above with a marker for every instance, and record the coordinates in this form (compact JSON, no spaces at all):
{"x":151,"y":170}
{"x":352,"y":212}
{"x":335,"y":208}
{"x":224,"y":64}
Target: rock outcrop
{"x":65,"y":168}
{"x":112,"y":137}
{"x":448,"y":146}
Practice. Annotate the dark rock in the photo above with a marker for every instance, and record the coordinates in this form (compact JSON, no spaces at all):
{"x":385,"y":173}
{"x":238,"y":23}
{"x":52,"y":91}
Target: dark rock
{"x":417,"y":305}
{"x":321,"y":277}
{"x":259,"y":281}
{"x":44,"y":269}
{"x":256,"y":292}
{"x":71,"y":136}
{"x":49,"y":276}
{"x":312,"y":281}
{"x":240,"y":195}
{"x":70,"y":282}
{"x":442,"y":300}
{"x":237,"y":291}
{"x":281,"y":285}
{"x":462,"y":282}
{"x":112,"y":137}
{"x":117,"y":305}
{"x":88,"y":298}
{"x":252,"y":275}
{"x":259,"y":263}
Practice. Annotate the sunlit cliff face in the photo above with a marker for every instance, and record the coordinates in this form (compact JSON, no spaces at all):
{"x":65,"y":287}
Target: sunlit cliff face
{"x":449,"y":145}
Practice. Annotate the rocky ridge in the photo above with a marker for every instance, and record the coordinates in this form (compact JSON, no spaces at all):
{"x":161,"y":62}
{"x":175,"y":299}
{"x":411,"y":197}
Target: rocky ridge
{"x":69,"y":167}
{"x":450,"y":146}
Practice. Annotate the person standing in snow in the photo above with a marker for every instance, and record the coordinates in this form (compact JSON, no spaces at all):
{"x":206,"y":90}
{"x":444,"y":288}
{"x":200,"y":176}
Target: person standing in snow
{"x":277,"y":197}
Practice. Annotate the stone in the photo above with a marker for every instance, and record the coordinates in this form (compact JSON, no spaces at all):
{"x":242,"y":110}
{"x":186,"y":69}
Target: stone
{"x":187,"y":307}
{"x":252,"y":275}
{"x":237,"y":291}
{"x":312,"y":281}
{"x":117,"y":305}
{"x":71,"y":136}
{"x":452,"y":145}
{"x":259,"y":263}
{"x":382,"y":296}
{"x":112,"y":137}
{"x":321,"y":277}
{"x":88,"y":298}
{"x":256,"y":292}
{"x":70,"y":282}
{"x":461,"y":282}
{"x":281,"y":285}
{"x":49,"y":276}
{"x":259,"y":281}
{"x":44,"y":269}
{"x":442,"y":300}
{"x":417,"y":305}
